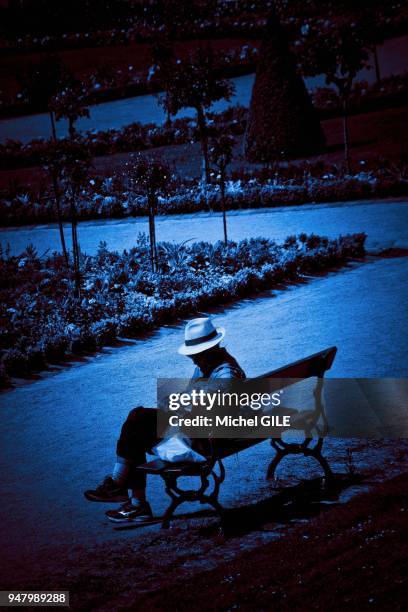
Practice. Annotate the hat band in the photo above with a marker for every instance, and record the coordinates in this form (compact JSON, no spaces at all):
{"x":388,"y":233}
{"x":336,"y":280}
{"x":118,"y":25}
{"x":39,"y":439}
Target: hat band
{"x":195,"y":341}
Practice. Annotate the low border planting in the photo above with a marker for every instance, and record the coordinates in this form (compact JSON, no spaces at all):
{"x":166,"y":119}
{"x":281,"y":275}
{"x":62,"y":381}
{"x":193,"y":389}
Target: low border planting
{"x":133,"y":137}
{"x":44,"y":323}
{"x":112,"y":198}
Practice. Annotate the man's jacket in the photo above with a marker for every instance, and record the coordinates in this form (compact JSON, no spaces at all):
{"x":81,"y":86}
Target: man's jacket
{"x":224,"y":366}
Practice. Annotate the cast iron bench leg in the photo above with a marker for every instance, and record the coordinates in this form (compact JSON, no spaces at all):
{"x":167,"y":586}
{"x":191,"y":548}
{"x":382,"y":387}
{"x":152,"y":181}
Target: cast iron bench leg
{"x":168,"y":515}
{"x":179,"y":496}
{"x":280,"y":453}
{"x":316,"y":452}
{"x":284,"y":448}
{"x":212,"y":498}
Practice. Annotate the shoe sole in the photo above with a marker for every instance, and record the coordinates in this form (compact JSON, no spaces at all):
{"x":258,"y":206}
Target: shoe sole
{"x":133,"y":525}
{"x":118,"y":499}
{"x":125,"y":521}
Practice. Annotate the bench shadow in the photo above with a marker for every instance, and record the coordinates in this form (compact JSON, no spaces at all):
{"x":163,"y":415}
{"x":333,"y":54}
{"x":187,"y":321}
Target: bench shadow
{"x":290,"y":503}
{"x":303,"y":501}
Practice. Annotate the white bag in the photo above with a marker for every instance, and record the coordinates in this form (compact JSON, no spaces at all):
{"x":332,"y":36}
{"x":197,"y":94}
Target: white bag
{"x":176,"y":449}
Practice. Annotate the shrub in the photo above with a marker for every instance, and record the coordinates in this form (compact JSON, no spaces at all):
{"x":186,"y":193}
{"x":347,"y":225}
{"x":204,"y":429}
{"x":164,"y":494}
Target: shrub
{"x":4,"y":377}
{"x":36,"y":359}
{"x":15,"y":362}
{"x":84,"y":343}
{"x":55,"y":348}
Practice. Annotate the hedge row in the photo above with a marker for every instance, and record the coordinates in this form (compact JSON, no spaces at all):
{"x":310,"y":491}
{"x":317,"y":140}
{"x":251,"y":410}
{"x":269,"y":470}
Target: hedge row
{"x":44,"y":323}
{"x":134,"y":137}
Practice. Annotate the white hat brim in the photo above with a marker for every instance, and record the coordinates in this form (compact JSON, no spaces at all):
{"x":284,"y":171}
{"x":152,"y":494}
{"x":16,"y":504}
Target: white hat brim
{"x":203,"y":346}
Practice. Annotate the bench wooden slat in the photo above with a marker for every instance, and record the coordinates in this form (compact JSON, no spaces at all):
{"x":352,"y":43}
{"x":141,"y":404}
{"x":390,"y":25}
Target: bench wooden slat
{"x":157,"y":466}
{"x":308,"y":366}
{"x":314,"y":365}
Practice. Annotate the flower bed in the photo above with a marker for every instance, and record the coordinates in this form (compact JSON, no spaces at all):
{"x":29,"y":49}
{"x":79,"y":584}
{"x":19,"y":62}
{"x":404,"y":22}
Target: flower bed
{"x":118,"y":197}
{"x":43,"y":323}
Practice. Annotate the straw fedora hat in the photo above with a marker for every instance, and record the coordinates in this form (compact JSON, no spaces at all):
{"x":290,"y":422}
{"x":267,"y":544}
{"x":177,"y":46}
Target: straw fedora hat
{"x":200,"y":335}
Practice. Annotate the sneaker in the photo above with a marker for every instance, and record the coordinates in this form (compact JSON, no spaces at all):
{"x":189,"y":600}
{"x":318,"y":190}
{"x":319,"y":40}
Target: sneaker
{"x":108,"y":491}
{"x":128,"y":513}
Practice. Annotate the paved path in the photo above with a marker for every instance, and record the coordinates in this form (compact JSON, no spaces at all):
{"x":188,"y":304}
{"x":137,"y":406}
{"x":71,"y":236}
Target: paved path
{"x":384,"y":221}
{"x":57,"y":434}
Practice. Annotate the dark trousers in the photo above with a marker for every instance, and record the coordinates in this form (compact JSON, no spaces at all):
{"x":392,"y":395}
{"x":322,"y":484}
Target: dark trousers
{"x":138,"y":436}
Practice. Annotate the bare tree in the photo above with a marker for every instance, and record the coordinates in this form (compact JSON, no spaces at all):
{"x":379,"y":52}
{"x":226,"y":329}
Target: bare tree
{"x":53,"y":164}
{"x":75,"y":162}
{"x":152,"y":176}
{"x":221,"y":149}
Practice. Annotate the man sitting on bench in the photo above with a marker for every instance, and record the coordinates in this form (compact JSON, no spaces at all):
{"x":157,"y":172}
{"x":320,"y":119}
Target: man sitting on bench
{"x":139,"y":435}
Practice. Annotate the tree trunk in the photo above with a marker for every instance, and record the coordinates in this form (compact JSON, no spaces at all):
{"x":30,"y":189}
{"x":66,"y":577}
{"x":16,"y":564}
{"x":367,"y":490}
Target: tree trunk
{"x":75,"y":248}
{"x":53,"y":130}
{"x":57,"y":197}
{"x":346,"y":136}
{"x":224,"y":213}
{"x":71,"y":127}
{"x":202,"y":128}
{"x":151,"y":198}
{"x":376,"y":64}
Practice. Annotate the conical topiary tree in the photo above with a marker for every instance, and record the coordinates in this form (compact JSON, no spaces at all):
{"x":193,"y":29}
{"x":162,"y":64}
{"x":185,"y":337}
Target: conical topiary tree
{"x":282,"y":122}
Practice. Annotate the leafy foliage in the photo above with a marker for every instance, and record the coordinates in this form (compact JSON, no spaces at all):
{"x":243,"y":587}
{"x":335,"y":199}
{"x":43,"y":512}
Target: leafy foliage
{"x":42,"y":321}
{"x":70,"y":103}
{"x":152,"y":175}
{"x":221,"y":149}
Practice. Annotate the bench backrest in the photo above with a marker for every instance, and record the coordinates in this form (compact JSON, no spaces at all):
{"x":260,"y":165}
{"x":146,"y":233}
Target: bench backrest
{"x":314,"y":365}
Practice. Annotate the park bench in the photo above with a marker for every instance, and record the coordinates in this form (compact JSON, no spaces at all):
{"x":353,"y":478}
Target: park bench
{"x":307,"y":421}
